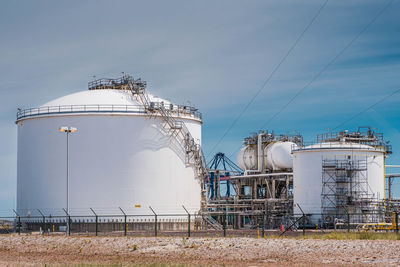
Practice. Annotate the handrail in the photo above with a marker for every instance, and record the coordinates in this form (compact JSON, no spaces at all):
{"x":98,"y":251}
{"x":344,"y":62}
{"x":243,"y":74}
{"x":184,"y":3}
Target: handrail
{"x":336,"y":145}
{"x":46,"y":110}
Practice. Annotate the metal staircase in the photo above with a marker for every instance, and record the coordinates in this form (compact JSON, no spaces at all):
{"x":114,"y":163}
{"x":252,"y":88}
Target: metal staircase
{"x":213,"y":223}
{"x":176,"y":128}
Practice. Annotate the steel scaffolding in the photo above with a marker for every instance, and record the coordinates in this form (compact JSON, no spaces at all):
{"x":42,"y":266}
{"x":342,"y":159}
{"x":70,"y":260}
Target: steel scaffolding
{"x":345,"y":191}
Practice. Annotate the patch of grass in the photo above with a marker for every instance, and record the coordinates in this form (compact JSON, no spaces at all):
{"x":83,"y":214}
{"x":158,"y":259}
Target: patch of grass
{"x":345,"y":236}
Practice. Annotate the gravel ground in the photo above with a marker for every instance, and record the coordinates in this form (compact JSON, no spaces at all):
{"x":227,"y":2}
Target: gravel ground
{"x":36,"y":250}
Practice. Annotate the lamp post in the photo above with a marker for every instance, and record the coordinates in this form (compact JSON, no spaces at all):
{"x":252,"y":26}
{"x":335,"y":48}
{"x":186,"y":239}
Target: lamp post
{"x":68,"y":130}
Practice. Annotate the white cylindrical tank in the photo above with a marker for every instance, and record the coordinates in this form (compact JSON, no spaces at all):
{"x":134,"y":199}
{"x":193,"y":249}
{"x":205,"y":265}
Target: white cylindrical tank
{"x":119,"y":157}
{"x":277,"y":156}
{"x":308,"y":171}
{"x":247,"y":158}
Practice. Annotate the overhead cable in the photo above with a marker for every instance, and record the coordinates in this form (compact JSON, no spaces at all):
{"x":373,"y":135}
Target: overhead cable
{"x":268,"y":79}
{"x":329,"y":64}
{"x":366,"y":109}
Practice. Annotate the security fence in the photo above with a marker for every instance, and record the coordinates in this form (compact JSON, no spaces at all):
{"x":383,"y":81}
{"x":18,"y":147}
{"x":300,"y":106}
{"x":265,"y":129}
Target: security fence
{"x":189,"y":224}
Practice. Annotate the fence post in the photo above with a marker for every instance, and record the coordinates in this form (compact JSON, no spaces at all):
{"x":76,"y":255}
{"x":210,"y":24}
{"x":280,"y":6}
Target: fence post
{"x":97,"y":222}
{"x":44,"y":220}
{"x":68,"y":223}
{"x":18,"y":223}
{"x":125,"y":225}
{"x":188,"y":220}
{"x":263,"y":226}
{"x":304,"y":219}
{"x":155,"y":221}
{"x":348,"y":218}
{"x":224,"y":223}
{"x":348,"y":222}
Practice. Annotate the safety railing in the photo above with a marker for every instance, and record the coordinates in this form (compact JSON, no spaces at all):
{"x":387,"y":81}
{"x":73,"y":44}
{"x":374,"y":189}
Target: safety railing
{"x":176,"y":110}
{"x":336,"y":145}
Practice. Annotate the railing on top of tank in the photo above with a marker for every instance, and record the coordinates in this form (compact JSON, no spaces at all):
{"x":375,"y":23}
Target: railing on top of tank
{"x":176,"y":109}
{"x":337,"y":145}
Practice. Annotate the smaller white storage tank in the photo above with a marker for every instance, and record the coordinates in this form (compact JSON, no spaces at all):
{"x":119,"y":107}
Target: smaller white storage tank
{"x":308,"y":172}
{"x":274,"y":156}
{"x":278,"y":155}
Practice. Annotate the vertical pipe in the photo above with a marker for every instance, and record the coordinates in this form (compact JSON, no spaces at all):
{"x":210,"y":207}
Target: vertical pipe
{"x":397,"y":222}
{"x":218,"y":190}
{"x":260,"y":154}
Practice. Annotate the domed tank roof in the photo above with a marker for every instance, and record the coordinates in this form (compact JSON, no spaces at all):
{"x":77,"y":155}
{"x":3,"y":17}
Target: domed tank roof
{"x":100,"y":97}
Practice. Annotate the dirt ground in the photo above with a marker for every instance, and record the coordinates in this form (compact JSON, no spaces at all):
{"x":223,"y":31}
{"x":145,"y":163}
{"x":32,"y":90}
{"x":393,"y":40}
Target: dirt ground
{"x":36,"y":250}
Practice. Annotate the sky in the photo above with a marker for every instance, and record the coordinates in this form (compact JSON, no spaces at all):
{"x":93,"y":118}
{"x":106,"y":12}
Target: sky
{"x":214,"y":55}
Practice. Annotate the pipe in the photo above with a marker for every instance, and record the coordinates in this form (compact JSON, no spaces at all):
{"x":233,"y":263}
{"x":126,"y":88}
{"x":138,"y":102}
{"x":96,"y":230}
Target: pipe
{"x":392,"y":166}
{"x":260,"y":154}
{"x":392,"y":175}
{"x":262,"y":175}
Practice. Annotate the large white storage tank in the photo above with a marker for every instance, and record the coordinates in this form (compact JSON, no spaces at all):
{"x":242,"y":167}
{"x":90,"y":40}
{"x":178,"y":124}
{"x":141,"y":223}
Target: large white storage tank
{"x":308,"y":172}
{"x":119,"y":157}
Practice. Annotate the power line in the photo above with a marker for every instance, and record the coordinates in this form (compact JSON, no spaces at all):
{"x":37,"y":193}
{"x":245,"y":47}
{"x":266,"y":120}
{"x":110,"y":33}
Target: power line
{"x":325,"y":68}
{"x":329,"y":64}
{"x":366,"y":109}
{"x":269,"y":77}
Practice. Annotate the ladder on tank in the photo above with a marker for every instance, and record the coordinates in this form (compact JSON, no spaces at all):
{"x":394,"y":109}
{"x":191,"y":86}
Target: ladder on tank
{"x":194,"y":156}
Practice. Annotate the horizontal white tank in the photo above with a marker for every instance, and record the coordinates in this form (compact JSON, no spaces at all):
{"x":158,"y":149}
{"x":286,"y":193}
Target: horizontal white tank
{"x":307,"y":172}
{"x":119,"y":157}
{"x":247,"y":158}
{"x":277,"y":156}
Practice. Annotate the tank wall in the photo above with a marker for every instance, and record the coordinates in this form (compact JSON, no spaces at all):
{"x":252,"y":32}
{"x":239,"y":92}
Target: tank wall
{"x":307,"y":176}
{"x":114,"y":161}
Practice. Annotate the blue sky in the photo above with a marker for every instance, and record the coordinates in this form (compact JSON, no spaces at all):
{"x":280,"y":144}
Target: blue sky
{"x":213,"y":54}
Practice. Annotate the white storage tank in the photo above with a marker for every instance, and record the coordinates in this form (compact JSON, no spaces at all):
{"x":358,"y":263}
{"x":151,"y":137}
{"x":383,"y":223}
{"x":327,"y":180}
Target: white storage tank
{"x":119,"y":156}
{"x":308,"y":172}
{"x":276,"y":156}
